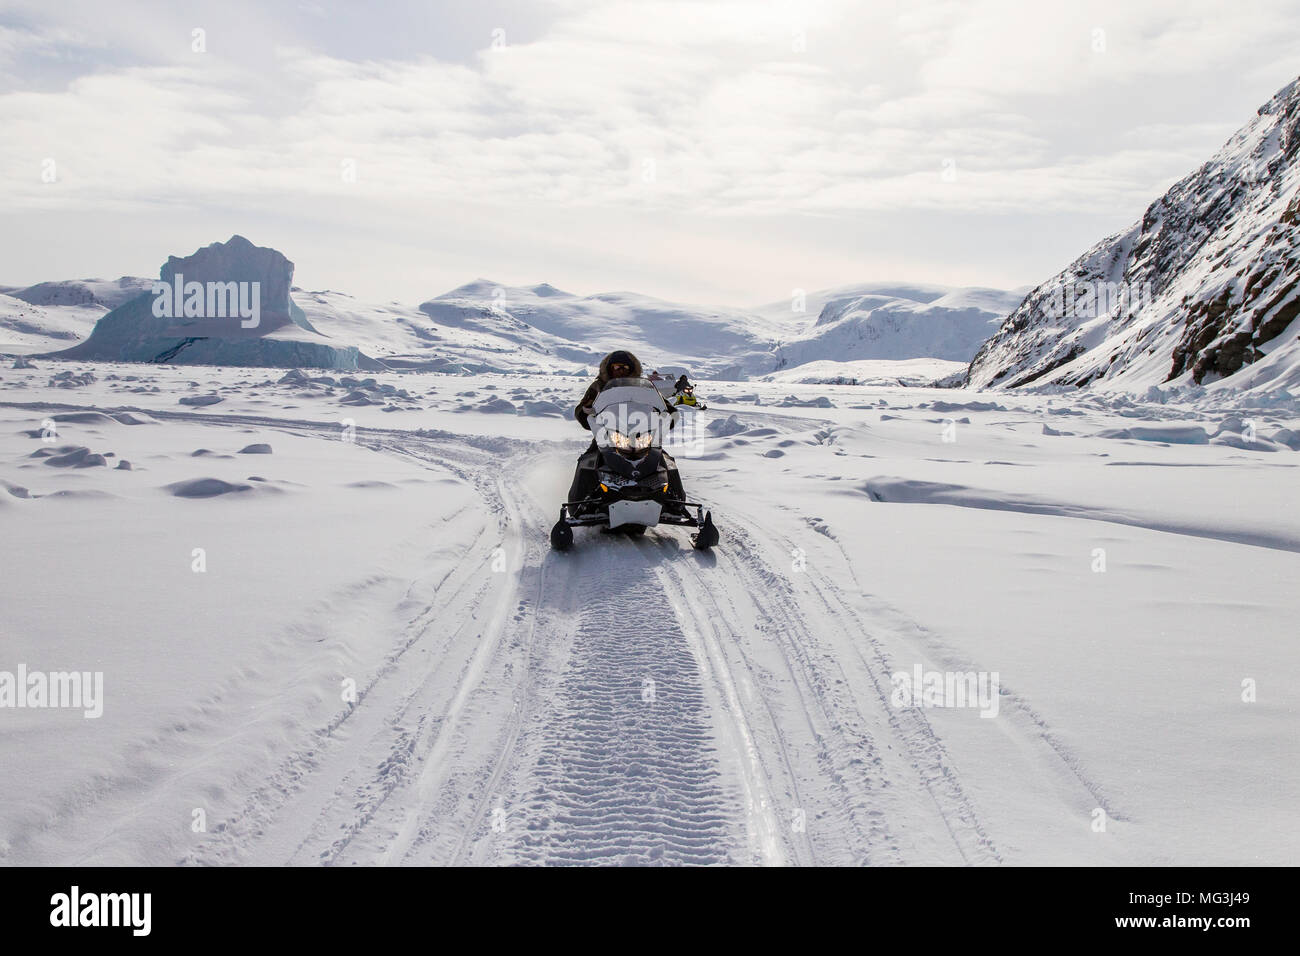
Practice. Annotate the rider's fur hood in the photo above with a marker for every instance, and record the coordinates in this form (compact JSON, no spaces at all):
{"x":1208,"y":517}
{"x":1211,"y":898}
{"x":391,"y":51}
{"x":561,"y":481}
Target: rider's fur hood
{"x":603,"y":375}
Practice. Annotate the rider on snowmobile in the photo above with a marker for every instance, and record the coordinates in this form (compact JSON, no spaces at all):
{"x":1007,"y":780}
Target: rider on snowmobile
{"x":618,"y":364}
{"x":615,"y":365}
{"x":643,"y":505}
{"x":684,"y":394}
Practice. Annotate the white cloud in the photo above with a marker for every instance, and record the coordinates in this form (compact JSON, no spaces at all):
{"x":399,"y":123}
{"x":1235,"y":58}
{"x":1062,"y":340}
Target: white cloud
{"x":724,"y":109}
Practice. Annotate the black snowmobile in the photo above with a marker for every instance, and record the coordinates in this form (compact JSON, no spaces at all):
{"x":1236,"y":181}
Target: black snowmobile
{"x":628,"y":482}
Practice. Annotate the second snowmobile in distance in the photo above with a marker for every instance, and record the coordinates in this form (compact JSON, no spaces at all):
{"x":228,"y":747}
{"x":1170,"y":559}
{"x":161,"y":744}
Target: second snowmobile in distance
{"x":629,"y":483}
{"x":683,"y":395}
{"x":686,"y":399}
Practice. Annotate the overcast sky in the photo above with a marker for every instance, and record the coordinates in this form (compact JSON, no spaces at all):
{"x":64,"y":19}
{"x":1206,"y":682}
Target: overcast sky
{"x":720,"y":153}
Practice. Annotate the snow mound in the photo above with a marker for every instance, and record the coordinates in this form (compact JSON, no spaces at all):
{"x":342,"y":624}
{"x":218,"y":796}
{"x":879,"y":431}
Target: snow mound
{"x":17,"y":491}
{"x":942,"y":406}
{"x":725,"y":427}
{"x":204,"y":488}
{"x":85,"y":418}
{"x":791,"y":401}
{"x":1172,"y":434}
{"x":543,"y":408}
{"x":70,"y":379}
{"x":76,"y":456}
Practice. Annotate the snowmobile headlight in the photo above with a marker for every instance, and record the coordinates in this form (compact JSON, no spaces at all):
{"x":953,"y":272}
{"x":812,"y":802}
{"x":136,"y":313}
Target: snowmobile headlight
{"x":630,"y":442}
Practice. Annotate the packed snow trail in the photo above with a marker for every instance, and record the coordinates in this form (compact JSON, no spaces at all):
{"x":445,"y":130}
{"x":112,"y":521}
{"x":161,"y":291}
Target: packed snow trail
{"x":624,"y":770}
{"x":411,"y":773}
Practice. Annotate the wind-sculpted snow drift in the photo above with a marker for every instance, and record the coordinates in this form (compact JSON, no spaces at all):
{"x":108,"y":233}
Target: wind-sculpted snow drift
{"x":1203,"y":289}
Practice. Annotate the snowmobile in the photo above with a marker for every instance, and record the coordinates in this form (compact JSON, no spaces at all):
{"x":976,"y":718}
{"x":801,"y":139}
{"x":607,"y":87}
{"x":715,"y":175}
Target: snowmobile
{"x":628,"y":482}
{"x":686,"y":399}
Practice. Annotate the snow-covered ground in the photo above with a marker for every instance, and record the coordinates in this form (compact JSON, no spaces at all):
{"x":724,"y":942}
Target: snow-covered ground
{"x":355,"y":646}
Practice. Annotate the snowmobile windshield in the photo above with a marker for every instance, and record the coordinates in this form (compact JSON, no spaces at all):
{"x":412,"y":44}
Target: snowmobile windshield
{"x":629,"y":416}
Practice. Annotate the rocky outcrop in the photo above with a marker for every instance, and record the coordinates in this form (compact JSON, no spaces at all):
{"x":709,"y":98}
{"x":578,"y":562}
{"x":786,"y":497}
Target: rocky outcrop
{"x":1204,"y":286}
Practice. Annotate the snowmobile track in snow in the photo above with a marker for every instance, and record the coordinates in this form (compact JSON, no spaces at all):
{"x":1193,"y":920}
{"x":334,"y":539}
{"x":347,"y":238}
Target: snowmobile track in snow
{"x":837,"y":710}
{"x":625,"y":770}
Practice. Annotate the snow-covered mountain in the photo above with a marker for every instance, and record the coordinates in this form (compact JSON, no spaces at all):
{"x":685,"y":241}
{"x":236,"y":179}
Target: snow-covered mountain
{"x":1202,"y":289}
{"x":896,"y":322}
{"x":583,"y":328}
{"x":106,"y":293}
{"x":486,"y":326}
{"x":871,"y":321}
{"x":404,"y":337}
{"x":52,"y":315}
{"x":27,"y":328}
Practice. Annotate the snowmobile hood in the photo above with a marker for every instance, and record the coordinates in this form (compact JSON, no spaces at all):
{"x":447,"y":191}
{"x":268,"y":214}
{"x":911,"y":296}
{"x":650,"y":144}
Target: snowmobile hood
{"x":629,"y":410}
{"x":628,"y":391}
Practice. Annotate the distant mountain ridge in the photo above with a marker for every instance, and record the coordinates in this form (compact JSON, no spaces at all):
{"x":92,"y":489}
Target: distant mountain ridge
{"x":109,"y":293}
{"x":898,"y":323}
{"x":488,"y":326}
